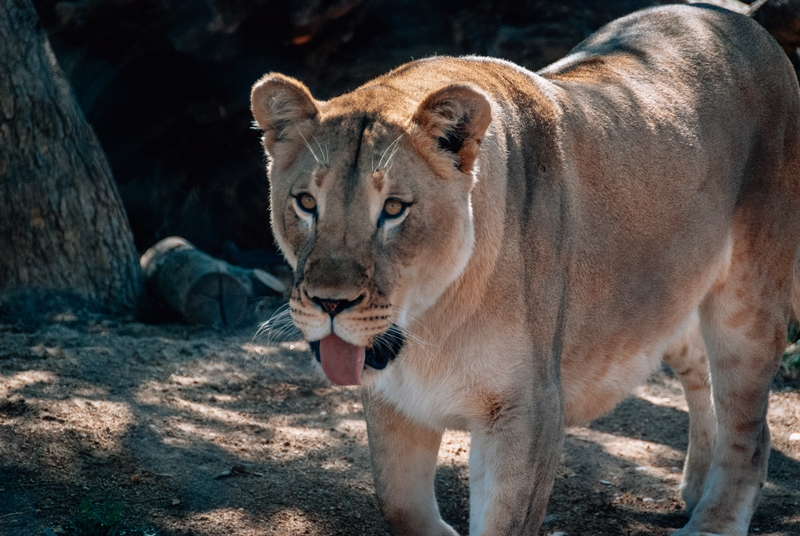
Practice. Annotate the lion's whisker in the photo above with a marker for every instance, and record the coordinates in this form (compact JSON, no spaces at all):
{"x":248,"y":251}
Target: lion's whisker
{"x":417,"y":323}
{"x":308,"y":145}
{"x":325,"y":161}
{"x":393,"y":147}
{"x":279,"y":327}
{"x":389,"y":162}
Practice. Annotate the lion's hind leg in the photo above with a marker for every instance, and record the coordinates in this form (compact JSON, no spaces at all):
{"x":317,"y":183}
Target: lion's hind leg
{"x":688,"y":359}
{"x":743,"y":322}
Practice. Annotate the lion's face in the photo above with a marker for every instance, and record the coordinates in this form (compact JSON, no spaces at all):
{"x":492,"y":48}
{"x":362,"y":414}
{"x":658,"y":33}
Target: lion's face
{"x":373,"y":214}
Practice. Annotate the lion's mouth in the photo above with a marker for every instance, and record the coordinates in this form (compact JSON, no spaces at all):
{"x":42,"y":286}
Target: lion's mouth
{"x":343,"y":362}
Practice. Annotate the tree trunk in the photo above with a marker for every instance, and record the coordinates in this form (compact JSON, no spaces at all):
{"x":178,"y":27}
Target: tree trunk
{"x":62,"y":225}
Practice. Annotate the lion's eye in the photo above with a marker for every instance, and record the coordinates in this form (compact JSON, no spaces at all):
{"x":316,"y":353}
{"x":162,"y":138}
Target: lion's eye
{"x":393,"y":208}
{"x":307,"y":203}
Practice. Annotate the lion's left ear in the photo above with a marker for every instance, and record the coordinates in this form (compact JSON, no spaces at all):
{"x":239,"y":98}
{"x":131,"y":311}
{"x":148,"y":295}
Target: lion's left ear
{"x":456,"y":118}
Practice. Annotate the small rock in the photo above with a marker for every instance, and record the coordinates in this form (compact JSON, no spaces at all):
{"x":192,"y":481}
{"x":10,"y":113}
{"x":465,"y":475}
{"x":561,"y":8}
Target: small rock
{"x":549,"y":519}
{"x":236,"y":470}
{"x":794,"y":437}
{"x":606,"y":482}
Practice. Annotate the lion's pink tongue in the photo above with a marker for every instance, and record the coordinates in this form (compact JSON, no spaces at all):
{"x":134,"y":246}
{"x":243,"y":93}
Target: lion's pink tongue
{"x":341,"y":361}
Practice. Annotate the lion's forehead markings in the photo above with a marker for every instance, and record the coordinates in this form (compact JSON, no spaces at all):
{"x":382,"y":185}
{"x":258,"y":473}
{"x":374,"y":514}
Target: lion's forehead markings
{"x":378,"y":179}
{"x":368,"y":161}
{"x":319,"y":175}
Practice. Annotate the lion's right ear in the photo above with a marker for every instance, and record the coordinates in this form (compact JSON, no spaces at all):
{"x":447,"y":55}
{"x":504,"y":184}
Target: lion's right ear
{"x":282,"y":108}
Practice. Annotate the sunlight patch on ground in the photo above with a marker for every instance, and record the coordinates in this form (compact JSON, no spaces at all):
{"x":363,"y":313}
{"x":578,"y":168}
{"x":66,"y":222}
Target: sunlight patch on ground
{"x":243,"y":444}
{"x":217,"y":521}
{"x":784,"y":414}
{"x":261,"y":350}
{"x":666,"y":392}
{"x":96,"y":427}
{"x":650,"y":457}
{"x":16,"y":382}
{"x":291,"y":521}
{"x":178,"y":432}
{"x":100,"y":422}
{"x":207,"y":411}
{"x":348,"y":408}
{"x":662,"y":401}
{"x":336,"y":466}
{"x":113,"y":417}
{"x":454,"y":449}
{"x":309,"y":436}
{"x":352,"y":426}
{"x":291,"y":443}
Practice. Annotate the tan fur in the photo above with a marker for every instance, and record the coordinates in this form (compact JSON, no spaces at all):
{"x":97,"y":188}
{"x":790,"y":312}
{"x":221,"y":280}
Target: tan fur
{"x":563,"y":231}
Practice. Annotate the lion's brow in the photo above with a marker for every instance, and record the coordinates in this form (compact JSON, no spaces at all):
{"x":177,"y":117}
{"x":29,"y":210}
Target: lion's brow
{"x":351,"y":179}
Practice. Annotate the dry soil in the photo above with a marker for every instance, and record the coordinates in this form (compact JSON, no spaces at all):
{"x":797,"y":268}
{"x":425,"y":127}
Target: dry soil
{"x":208,"y":433}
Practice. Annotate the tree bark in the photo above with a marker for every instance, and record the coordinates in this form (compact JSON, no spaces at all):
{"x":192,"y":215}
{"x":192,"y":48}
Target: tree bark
{"x":62,"y":224}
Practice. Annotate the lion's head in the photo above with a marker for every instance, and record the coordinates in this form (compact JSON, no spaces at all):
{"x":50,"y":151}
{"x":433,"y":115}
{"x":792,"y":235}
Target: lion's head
{"x":370,"y":200}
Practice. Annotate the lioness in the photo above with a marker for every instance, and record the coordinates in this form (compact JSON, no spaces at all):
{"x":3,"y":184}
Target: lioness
{"x":489,"y":249}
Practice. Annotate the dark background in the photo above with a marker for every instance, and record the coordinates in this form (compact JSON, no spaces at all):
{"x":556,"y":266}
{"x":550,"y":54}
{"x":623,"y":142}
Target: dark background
{"x":165,"y":84}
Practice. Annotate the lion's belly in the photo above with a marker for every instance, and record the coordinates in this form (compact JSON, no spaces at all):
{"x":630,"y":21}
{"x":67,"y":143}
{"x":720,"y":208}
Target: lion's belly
{"x":452,"y":386}
{"x":599,"y":371}
{"x":595,"y":379}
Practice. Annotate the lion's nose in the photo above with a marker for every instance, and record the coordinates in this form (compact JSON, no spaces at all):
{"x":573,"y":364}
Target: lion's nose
{"x":334,"y":307}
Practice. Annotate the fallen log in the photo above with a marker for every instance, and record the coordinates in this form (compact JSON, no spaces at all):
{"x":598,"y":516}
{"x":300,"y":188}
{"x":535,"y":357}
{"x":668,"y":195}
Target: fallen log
{"x":203,"y":289}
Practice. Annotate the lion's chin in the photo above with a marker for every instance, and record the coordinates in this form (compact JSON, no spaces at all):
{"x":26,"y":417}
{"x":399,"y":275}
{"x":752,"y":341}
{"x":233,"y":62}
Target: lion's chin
{"x":343,"y":362}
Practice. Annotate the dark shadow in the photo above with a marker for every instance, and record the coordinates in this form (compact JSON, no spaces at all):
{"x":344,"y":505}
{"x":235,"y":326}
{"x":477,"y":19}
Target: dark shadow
{"x":661,"y":424}
{"x":452,"y":492}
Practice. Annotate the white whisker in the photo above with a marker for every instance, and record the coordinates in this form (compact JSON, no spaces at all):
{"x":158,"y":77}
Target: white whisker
{"x":269,"y":323}
{"x":391,"y":147}
{"x":389,"y":162}
{"x":417,"y":323}
{"x":278,"y":328}
{"x":309,"y":146}
{"x":321,"y":152}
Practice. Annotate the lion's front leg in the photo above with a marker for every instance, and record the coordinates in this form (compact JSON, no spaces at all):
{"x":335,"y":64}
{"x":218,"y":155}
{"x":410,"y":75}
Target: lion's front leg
{"x":513,"y":461}
{"x":404,"y":466}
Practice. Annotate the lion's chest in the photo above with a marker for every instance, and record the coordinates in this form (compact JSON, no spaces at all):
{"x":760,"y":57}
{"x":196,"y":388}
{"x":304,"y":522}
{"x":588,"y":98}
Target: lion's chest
{"x":453,"y":389}
{"x":438,"y":402}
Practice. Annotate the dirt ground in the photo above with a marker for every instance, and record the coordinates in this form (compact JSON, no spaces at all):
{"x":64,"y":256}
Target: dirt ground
{"x":207,"y":433}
